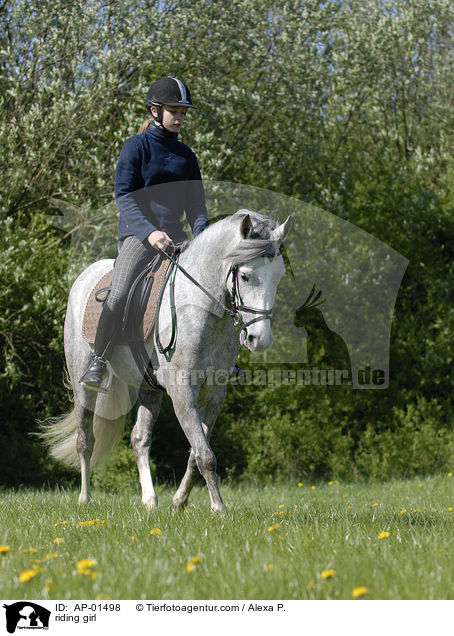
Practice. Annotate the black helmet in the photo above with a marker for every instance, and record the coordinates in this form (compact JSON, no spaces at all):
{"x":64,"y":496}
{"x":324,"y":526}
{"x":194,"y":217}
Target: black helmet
{"x":168,"y":91}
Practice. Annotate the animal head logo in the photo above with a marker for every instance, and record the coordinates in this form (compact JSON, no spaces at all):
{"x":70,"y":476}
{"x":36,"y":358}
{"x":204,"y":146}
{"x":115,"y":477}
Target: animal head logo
{"x":26,"y":615}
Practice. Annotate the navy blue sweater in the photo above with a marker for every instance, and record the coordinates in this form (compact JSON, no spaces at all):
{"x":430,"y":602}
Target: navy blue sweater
{"x":156,"y":181}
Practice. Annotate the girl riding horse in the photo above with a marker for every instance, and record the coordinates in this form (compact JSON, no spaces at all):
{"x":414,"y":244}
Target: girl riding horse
{"x":150,"y":218}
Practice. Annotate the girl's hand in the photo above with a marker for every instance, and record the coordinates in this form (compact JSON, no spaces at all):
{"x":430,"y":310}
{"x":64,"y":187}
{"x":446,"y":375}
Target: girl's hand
{"x":159,"y":240}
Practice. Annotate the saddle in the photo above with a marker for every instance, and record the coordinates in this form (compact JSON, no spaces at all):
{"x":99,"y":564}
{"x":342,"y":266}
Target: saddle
{"x":139,"y":314}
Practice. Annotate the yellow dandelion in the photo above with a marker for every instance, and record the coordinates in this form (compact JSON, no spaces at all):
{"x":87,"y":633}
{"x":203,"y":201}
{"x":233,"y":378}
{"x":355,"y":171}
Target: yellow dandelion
{"x":384,"y":535}
{"x":61,"y":523}
{"x":281,"y":506}
{"x":300,"y":484}
{"x":450,"y":508}
{"x":275,"y":527}
{"x":85,"y":571}
{"x":374,"y":504}
{"x":449,"y":474}
{"x":402,"y":512}
{"x":313,"y":487}
{"x":193,"y":562}
{"x":331,"y":483}
{"x":84,"y":564}
{"x":92,"y":522}
{"x":29,"y":550}
{"x":155,"y":531}
{"x":359,"y":591}
{"x":26,"y":575}
{"x":270,"y":566}
{"x":52,"y":555}
{"x":326,"y":574}
{"x":419,"y":485}
{"x":349,"y":507}
{"x":58,"y":540}
{"x":4,"y":548}
{"x":85,"y":567}
{"x":296,"y":506}
{"x":416,"y":510}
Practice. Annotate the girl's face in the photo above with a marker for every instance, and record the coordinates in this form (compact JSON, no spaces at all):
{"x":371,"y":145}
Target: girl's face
{"x":172,"y":117}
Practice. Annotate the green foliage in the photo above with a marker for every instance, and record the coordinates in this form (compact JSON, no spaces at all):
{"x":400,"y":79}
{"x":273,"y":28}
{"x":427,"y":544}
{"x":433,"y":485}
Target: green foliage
{"x":301,"y":432}
{"x":33,"y":272}
{"x":418,"y":439}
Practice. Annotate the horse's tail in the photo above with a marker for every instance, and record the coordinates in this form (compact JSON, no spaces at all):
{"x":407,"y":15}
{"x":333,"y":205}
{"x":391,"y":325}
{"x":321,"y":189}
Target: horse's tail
{"x":60,"y":435}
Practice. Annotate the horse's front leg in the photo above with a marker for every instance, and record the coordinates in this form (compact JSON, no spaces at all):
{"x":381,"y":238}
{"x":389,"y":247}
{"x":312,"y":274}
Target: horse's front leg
{"x":209,"y":413}
{"x":202,"y":456}
{"x":150,"y":403}
{"x":85,"y":443}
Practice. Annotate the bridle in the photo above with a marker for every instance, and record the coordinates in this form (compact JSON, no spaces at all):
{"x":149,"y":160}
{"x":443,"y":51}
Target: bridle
{"x":237,"y":304}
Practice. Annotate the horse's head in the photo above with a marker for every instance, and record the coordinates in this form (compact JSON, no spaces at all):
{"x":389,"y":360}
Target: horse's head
{"x":256,"y":268}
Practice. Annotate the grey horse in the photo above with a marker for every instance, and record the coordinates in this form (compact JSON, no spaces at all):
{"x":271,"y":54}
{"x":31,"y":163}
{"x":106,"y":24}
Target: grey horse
{"x":237,"y":256}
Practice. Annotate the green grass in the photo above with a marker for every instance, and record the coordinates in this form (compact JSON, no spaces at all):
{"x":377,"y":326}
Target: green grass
{"x":332,"y":527}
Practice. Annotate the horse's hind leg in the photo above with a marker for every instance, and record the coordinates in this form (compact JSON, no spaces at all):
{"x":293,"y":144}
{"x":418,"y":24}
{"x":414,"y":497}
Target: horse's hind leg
{"x":180,"y":498}
{"x":85,"y":443}
{"x":149,"y":406}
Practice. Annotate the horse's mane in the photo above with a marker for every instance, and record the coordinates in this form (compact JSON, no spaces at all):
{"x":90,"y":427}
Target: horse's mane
{"x":258,"y":243}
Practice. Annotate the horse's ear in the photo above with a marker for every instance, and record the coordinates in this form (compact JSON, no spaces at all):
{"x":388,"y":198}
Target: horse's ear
{"x":246,"y":227}
{"x":280,"y":233}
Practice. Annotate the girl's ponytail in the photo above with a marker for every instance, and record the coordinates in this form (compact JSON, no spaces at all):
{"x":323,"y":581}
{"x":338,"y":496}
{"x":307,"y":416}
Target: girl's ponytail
{"x":145,"y":125}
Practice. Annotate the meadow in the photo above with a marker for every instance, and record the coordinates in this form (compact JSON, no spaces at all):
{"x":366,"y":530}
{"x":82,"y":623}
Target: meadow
{"x":331,"y":540}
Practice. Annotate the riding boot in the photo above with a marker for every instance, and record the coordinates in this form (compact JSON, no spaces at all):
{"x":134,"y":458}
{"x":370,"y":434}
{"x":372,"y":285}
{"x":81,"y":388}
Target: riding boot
{"x":103,"y":347}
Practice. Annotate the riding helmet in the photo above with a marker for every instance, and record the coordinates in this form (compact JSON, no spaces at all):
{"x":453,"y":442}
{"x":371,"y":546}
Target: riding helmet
{"x":168,"y":91}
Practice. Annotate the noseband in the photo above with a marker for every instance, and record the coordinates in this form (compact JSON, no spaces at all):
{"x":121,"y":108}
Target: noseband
{"x":238,"y":305}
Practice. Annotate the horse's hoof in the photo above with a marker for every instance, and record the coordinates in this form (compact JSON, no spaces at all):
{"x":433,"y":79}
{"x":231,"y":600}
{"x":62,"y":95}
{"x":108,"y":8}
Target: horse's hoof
{"x":150,"y":504}
{"x":219,"y":511}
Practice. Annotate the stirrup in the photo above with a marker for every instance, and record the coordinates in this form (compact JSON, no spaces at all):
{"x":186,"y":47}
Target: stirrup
{"x":98,"y":387}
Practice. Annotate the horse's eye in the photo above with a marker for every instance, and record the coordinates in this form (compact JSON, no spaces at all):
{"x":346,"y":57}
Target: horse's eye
{"x":245,"y":277}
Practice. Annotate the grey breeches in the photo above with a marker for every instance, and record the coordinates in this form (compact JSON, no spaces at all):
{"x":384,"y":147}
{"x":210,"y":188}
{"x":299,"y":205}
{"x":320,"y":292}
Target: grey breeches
{"x":132,"y":259}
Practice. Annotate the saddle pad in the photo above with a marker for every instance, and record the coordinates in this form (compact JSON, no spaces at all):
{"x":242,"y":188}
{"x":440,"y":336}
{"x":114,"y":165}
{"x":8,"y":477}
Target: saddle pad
{"x":93,"y":307}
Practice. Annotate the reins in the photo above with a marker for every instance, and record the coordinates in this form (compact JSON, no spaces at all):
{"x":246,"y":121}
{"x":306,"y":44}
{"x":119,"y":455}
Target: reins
{"x":235,"y":297}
